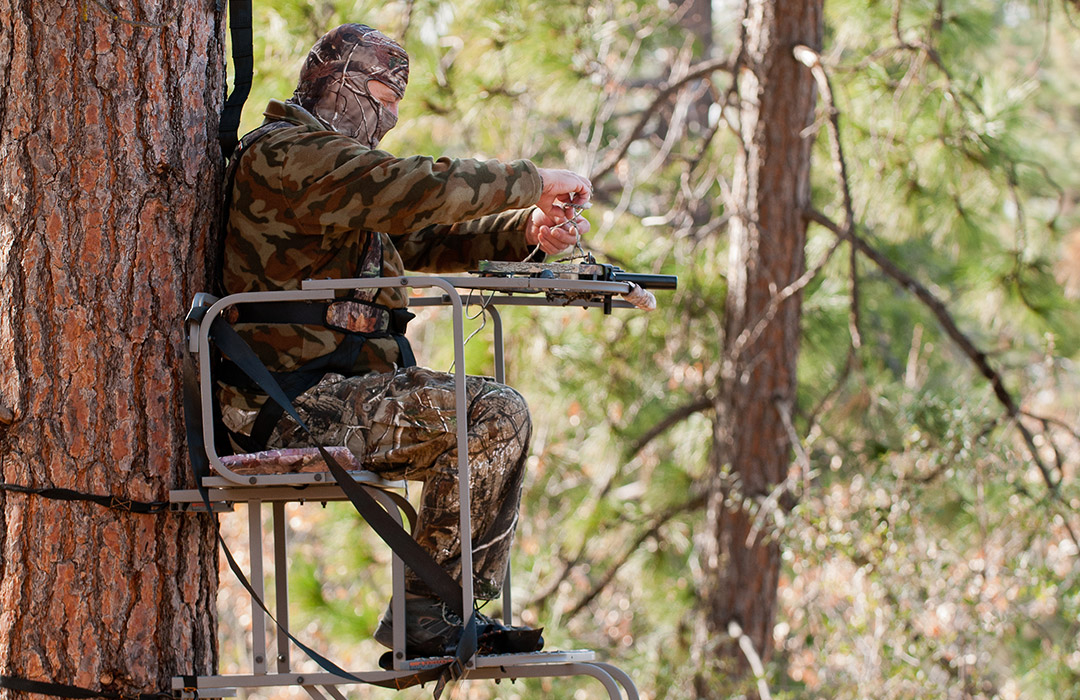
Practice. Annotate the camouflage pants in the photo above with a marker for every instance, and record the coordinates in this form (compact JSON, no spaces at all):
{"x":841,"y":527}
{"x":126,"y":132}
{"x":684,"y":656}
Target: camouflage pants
{"x":403,"y":425}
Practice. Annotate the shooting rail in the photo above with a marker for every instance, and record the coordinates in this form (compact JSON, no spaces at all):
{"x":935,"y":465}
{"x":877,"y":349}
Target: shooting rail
{"x":556,"y":280}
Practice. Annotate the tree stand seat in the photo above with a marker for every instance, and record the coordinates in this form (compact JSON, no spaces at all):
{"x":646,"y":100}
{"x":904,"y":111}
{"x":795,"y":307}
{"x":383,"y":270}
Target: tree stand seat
{"x":294,"y":460}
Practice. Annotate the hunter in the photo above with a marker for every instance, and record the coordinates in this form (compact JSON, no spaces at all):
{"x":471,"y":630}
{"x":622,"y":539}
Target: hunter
{"x":309,"y":195}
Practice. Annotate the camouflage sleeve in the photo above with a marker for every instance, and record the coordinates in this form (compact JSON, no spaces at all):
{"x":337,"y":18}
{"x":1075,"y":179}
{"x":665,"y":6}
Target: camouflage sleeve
{"x":439,"y":248}
{"x":335,"y":184}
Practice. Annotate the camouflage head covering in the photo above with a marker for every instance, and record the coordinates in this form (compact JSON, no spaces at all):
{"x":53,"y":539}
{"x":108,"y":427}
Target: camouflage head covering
{"x":340,"y":64}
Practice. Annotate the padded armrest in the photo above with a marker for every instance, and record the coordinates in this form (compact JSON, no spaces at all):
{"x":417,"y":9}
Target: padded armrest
{"x":300,"y":460}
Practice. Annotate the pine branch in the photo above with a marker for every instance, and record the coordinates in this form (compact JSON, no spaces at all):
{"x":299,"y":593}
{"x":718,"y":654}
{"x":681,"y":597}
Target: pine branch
{"x":1050,"y":420}
{"x":751,"y":334}
{"x":948,"y":324}
{"x":663,"y":94}
{"x":676,"y":416}
{"x":654,"y":529}
{"x":812,"y":60}
{"x":540,"y":599}
{"x":936,"y":306}
{"x":847,"y":231}
{"x":826,"y":402}
{"x":746,"y":645}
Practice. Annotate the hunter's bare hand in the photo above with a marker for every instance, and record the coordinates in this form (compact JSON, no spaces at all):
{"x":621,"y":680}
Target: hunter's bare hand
{"x":562,"y":188}
{"x":555,"y":234}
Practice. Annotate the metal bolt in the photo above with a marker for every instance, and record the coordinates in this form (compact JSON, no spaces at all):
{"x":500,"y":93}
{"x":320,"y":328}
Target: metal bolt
{"x":259,"y":659}
{"x":253,"y":480}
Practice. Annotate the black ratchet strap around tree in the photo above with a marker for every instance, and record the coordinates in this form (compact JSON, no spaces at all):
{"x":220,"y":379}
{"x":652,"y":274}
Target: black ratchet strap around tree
{"x":400,"y":541}
{"x":63,"y":690}
{"x":113,"y":502}
{"x":243,"y":68}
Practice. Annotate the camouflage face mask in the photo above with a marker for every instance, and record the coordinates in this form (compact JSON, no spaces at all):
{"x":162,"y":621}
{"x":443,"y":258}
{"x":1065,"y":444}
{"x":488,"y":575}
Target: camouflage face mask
{"x":333,"y":83}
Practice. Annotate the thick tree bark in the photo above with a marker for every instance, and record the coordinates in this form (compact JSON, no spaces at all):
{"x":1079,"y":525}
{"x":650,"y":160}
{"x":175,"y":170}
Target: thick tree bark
{"x":752,"y":451}
{"x":109,"y":176}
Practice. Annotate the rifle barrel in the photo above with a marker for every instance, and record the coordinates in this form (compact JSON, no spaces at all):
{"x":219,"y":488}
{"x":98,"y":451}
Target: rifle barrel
{"x":648,"y":281}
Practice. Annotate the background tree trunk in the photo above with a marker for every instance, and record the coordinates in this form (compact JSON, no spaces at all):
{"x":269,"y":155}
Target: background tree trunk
{"x":109,"y":175}
{"x":696,"y":18}
{"x":752,"y":451}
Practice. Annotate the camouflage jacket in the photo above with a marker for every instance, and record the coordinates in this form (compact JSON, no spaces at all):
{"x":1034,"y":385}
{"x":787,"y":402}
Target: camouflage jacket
{"x":311,"y":203}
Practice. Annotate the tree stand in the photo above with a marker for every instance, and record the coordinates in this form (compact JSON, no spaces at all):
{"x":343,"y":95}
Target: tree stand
{"x":277,"y":477}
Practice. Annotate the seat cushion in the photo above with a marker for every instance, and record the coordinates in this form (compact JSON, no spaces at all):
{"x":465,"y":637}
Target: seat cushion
{"x":299,"y":460}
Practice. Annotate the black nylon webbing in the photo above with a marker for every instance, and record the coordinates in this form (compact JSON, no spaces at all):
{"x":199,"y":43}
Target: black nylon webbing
{"x":243,"y":69}
{"x":114,"y":502}
{"x":63,"y":690}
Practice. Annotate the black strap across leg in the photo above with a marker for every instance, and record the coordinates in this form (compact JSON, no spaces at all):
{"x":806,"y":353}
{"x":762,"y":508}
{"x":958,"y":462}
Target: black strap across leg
{"x":390,"y":323}
{"x":402,"y":543}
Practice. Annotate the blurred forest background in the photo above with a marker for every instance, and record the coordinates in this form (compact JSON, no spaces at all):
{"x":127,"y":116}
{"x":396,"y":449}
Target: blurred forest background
{"x":928,"y":525}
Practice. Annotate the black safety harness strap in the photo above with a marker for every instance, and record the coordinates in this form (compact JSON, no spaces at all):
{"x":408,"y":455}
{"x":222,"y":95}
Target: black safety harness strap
{"x":243,"y":68}
{"x":200,"y":467}
{"x":395,"y":536}
{"x":391,"y":323}
{"x":316,"y":313}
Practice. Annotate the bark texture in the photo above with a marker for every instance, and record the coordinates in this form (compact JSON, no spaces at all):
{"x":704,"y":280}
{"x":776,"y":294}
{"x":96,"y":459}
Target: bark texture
{"x":752,"y":452}
{"x":109,"y":172}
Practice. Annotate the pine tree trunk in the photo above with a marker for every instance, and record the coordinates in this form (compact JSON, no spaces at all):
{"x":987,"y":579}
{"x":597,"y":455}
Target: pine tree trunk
{"x":109,"y":172}
{"x":752,"y":449}
{"x":696,"y":17}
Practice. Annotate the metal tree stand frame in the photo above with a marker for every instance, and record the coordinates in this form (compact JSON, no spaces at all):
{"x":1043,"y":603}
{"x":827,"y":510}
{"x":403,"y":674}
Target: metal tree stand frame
{"x":226,"y":487}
